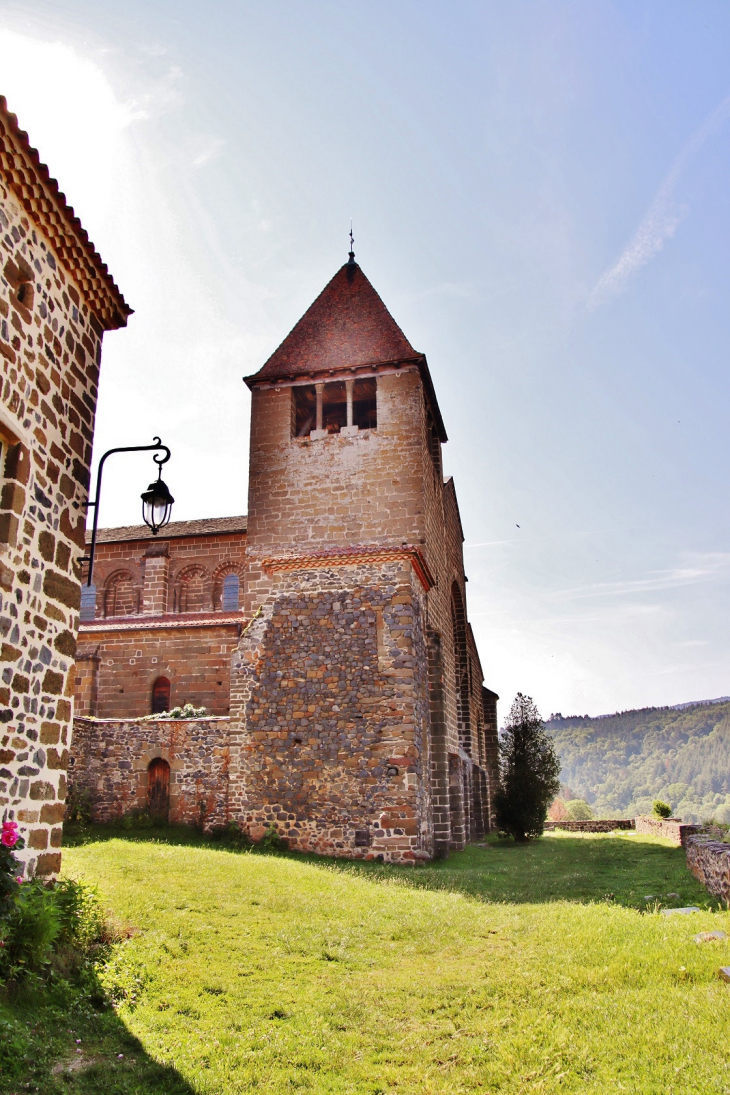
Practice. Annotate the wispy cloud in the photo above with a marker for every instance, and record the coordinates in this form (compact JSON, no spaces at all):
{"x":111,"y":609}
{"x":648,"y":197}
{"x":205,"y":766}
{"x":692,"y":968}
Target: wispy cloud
{"x":705,"y":568}
{"x":661,"y":219}
{"x":492,"y":543}
{"x":211,"y":151}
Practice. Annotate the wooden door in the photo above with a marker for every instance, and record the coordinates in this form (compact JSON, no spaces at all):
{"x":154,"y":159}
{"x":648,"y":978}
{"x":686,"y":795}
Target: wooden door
{"x":158,"y":788}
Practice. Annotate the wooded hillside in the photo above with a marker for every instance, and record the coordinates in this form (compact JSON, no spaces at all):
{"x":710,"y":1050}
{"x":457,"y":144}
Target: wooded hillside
{"x":620,"y":763}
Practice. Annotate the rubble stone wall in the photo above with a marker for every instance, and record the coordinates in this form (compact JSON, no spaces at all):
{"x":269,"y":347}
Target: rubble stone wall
{"x":709,"y":862}
{"x":111,"y":759}
{"x":50,"y":346}
{"x":329,"y":714}
{"x":381,"y":486}
{"x":671,"y":828}
{"x":596,"y":825}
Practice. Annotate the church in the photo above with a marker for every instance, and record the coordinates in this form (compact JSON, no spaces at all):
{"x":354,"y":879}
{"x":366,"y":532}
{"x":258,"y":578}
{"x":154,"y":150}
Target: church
{"x":325,"y":632}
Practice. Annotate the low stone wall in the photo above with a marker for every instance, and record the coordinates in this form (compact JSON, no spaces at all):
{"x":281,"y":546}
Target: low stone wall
{"x":671,"y":827}
{"x":709,"y":862}
{"x":110,"y":759}
{"x":596,"y":825}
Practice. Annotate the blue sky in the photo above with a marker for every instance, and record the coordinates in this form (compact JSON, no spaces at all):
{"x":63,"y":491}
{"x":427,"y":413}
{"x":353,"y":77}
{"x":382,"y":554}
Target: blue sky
{"x":539,"y":192}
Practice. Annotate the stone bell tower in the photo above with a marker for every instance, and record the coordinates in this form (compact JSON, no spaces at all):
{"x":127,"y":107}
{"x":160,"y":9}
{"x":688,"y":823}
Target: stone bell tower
{"x":352,"y":548}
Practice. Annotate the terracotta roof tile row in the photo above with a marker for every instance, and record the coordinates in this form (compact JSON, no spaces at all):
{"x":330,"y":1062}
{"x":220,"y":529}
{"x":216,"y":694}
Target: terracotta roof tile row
{"x":167,"y":622}
{"x":204,"y":526}
{"x":39,"y":194}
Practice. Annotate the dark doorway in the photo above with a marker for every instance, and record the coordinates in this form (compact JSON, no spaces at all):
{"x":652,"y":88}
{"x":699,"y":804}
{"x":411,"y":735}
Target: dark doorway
{"x":160,"y":696}
{"x":158,"y":788}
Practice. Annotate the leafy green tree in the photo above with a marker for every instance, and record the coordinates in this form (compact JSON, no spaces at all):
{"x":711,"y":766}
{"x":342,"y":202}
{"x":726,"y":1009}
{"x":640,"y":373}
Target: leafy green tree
{"x":579,"y":810}
{"x":529,"y":772}
{"x":662,"y":809}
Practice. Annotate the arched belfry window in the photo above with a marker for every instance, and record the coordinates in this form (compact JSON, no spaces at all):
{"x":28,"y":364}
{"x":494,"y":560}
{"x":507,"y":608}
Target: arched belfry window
{"x":160,"y":696}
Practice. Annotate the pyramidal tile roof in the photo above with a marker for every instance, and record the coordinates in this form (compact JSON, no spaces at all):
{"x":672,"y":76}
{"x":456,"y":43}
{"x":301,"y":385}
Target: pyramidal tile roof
{"x":347,"y":327}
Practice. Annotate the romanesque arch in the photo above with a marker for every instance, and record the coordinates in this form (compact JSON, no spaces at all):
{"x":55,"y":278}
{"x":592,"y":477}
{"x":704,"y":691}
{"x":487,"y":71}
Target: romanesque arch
{"x":438,"y":751}
{"x":191,"y":590}
{"x":121,"y":595}
{"x":227,"y":587}
{"x":461,"y":667}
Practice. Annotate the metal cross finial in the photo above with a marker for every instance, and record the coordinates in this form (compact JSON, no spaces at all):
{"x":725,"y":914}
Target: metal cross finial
{"x":352,"y":245}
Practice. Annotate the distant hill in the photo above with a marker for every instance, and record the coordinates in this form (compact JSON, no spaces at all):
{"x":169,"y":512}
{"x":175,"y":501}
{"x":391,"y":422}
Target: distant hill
{"x":620,"y":763}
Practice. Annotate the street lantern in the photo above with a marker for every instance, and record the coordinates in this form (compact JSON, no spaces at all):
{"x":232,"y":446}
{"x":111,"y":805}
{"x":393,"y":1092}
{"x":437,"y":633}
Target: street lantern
{"x":156,"y":500}
{"x":157,"y":505}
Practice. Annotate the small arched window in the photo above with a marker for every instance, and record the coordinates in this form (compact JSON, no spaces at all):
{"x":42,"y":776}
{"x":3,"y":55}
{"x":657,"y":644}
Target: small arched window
{"x":160,"y":696}
{"x":231,"y":592}
{"x":88,"y":603}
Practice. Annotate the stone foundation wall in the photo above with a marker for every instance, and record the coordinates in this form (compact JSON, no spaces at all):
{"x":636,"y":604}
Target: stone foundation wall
{"x":596,"y":825}
{"x":329,"y":704}
{"x":111,"y":759}
{"x":671,"y":828}
{"x":709,"y":862}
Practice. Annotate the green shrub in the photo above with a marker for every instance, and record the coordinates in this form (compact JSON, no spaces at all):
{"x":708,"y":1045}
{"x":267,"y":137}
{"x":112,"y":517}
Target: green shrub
{"x":78,"y":804}
{"x":578,"y":810}
{"x":271,"y":840}
{"x":661,"y":809}
{"x":29,"y":931}
{"x":233,"y":836}
{"x":83,"y":923}
{"x":44,"y":920}
{"x":140,"y":819}
{"x":14,"y":1044}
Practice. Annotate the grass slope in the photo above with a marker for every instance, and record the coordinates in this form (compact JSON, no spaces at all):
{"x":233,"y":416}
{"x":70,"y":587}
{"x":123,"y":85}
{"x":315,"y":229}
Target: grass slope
{"x":619,"y":764}
{"x":505,"y":969}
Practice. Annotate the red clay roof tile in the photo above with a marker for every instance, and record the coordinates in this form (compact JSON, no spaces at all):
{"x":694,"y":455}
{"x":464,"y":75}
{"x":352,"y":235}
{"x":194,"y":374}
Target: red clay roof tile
{"x":348,"y":326}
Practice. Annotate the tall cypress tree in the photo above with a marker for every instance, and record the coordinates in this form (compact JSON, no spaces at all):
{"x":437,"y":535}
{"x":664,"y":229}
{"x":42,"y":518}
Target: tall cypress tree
{"x":529,"y":772}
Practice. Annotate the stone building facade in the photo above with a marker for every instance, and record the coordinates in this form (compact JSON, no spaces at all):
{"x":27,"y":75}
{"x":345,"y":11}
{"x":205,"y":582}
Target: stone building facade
{"x":56,"y":301}
{"x":161,"y":622}
{"x":359,"y":721}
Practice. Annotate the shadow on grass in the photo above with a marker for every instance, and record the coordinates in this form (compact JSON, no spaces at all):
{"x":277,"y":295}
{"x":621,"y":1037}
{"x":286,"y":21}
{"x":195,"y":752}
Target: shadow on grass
{"x":62,"y":1035}
{"x":619,"y":868}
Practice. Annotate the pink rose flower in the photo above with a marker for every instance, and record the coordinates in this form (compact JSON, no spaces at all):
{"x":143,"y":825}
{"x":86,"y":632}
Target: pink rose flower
{"x":9,"y":836}
{"x":20,"y":880}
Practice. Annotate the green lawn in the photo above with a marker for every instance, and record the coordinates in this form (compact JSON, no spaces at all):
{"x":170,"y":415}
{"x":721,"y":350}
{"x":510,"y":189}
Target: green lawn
{"x":505,"y":969}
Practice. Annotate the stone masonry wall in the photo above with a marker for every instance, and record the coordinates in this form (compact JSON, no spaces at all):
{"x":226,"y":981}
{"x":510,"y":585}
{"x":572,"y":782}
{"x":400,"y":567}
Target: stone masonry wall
{"x":50,"y":347}
{"x":597,"y":825}
{"x":709,"y":862}
{"x":119,"y":663}
{"x":335,"y":491}
{"x":143,"y":634}
{"x":156,"y":567}
{"x":111,"y":758}
{"x":381,"y":486}
{"x":670,"y":828}
{"x":329,"y":714}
